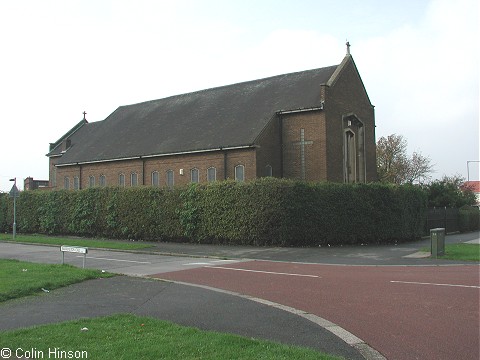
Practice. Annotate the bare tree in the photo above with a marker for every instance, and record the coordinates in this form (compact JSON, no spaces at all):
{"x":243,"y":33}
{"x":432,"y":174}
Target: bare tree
{"x":395,"y":166}
{"x":418,"y":169}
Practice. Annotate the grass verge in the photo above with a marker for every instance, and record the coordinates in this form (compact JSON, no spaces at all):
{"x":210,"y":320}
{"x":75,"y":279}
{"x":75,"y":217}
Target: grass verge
{"x":94,"y":243}
{"x":20,"y":278}
{"x":131,"y":337}
{"x":463,"y":252}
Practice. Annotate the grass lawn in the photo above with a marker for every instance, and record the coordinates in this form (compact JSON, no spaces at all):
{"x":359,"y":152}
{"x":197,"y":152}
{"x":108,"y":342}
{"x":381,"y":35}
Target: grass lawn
{"x":467,"y":252}
{"x":20,"y":278}
{"x":94,"y":243}
{"x":131,"y":337}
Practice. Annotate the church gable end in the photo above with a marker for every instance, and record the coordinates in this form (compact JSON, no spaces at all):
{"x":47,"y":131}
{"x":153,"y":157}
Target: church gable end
{"x":350,"y":123}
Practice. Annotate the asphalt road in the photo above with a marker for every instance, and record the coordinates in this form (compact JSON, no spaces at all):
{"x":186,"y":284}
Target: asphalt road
{"x":428,"y":312}
{"x":423,"y":311}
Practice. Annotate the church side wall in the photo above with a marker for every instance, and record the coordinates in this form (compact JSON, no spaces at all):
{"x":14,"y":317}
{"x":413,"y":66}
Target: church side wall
{"x":52,"y":171}
{"x":145,"y":167}
{"x":347,"y":96}
{"x":269,"y":150}
{"x":315,"y":160}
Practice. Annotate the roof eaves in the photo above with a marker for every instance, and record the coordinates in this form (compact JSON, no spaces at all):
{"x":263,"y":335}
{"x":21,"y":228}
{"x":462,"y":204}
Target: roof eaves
{"x":235,"y":147}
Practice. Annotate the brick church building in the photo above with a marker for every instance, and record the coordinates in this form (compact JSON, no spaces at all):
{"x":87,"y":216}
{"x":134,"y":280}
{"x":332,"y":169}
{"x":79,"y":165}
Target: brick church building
{"x":314,"y":125}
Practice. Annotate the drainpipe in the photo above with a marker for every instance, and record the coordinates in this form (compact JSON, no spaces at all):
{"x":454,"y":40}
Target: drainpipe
{"x":280,"y":120}
{"x":224,"y":165}
{"x":80,"y":179}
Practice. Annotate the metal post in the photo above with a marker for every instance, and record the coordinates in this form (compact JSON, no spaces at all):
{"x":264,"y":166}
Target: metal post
{"x":14,"y":217}
{"x":14,"y":194}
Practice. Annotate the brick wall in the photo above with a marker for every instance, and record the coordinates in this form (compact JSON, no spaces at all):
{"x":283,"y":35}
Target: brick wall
{"x":145,"y":167}
{"x":313,"y":123}
{"x":269,"y":149}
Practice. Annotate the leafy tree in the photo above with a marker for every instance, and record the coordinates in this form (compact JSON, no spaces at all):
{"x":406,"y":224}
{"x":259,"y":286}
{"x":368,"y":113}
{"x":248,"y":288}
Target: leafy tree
{"x":395,"y":166}
{"x":449,"y":192}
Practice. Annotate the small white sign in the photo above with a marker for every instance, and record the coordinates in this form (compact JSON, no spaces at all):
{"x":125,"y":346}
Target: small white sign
{"x":74,"y":249}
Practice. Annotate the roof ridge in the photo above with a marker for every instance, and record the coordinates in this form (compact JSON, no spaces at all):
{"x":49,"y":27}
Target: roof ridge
{"x":230,"y":85}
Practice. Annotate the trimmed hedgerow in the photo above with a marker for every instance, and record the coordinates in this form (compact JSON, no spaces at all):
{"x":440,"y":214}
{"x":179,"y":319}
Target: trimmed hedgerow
{"x":266,"y":211}
{"x":469,"y":218}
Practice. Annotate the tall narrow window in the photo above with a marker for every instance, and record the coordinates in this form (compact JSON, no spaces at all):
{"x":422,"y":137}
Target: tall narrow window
{"x":66,"y":183}
{"x":211,"y":174}
{"x":240,"y":173}
{"x":354,"y":150}
{"x":121,"y":180}
{"x":91,"y":181}
{"x":194,"y":176}
{"x":268,"y":170}
{"x":133,"y":179}
{"x":102,"y":181}
{"x":155,"y":179}
{"x":170,"y":178}
{"x":350,"y":157}
{"x":76,"y":183}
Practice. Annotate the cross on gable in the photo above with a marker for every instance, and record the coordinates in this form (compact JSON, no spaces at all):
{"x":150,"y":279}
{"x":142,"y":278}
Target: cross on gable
{"x":302,"y":144}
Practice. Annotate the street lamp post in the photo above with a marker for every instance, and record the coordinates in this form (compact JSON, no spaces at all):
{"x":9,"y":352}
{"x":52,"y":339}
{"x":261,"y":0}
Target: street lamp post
{"x":14,"y":194}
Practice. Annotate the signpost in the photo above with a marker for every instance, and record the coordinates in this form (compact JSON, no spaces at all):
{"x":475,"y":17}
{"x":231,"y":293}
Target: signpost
{"x":14,"y":193}
{"x":74,"y":249}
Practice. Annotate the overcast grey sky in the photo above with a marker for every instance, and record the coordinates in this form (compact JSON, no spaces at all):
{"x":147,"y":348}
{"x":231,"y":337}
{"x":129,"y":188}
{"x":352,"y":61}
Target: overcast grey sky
{"x":418,"y":59}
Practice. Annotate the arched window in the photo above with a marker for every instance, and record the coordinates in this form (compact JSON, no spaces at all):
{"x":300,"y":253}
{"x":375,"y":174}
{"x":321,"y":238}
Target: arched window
{"x":194,"y":175}
{"x":102,"y":181}
{"x":76,"y":183}
{"x":240,"y":173}
{"x":155,"y":179}
{"x":121,"y":180}
{"x":354,"y":166}
{"x":66,"y":183}
{"x":211,"y":174}
{"x":91,"y":181}
{"x":170,"y":180}
{"x":133,"y":179}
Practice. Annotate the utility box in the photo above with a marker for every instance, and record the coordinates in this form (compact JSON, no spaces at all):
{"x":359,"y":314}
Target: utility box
{"x":437,"y":242}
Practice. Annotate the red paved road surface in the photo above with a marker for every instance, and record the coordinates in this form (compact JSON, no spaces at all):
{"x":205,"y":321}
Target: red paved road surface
{"x":401,"y":320}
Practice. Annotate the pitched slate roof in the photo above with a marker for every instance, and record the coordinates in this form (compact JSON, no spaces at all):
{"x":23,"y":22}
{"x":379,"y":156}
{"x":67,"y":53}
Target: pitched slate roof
{"x":222,"y":117}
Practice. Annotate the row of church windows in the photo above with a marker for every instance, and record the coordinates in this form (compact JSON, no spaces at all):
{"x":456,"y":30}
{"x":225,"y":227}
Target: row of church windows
{"x":170,"y":178}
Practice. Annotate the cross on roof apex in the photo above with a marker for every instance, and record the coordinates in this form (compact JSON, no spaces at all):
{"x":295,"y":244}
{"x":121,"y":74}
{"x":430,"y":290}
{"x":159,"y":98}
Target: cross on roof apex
{"x":84,"y":113}
{"x":348,"y":47}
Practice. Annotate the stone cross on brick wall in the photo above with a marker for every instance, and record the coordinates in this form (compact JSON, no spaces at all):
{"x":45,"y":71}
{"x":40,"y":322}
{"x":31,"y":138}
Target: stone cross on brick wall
{"x":302,"y":144}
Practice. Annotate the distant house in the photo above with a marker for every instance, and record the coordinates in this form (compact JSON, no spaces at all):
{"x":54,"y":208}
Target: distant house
{"x":474,"y":186}
{"x":30,"y":184}
{"x":311,"y":125}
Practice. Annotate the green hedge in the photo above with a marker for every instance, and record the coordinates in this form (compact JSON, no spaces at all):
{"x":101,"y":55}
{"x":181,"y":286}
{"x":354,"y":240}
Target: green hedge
{"x":469,"y":218}
{"x":262,"y":212}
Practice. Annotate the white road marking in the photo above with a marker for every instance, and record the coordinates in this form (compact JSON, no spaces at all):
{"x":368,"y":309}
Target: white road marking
{"x":198,"y":263}
{"x":209,"y":263}
{"x":263,"y":272}
{"x":422,"y":283}
{"x":131,"y":261}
